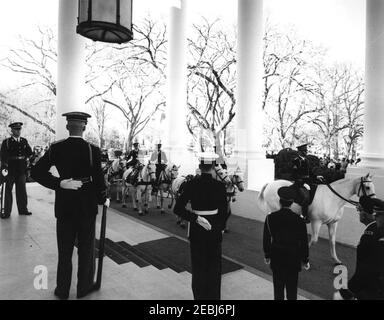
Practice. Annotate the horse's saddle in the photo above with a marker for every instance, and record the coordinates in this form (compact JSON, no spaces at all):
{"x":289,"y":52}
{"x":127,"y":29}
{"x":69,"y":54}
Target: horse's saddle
{"x":305,"y":195}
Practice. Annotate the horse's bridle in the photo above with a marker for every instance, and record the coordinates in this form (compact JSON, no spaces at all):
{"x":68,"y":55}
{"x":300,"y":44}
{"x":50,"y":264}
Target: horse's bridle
{"x":222,"y":179}
{"x":361,"y":187}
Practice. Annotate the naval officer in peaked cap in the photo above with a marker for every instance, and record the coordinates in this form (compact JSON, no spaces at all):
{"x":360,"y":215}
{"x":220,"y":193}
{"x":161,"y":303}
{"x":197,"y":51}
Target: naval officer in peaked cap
{"x":79,"y":190}
{"x":207,"y":219}
{"x":15,"y":152}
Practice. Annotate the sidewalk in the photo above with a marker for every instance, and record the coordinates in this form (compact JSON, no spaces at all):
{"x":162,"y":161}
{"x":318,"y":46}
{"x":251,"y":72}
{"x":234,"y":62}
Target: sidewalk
{"x":30,"y":241}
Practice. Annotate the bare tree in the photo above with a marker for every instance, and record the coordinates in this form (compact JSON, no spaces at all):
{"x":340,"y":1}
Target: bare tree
{"x":37,"y":59}
{"x":211,"y":79}
{"x":287,"y":89}
{"x":339,"y":94}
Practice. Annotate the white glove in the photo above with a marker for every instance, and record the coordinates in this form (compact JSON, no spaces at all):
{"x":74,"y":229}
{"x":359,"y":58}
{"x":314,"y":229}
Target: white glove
{"x":4,"y":172}
{"x":307,"y":266}
{"x":267,"y":261}
{"x":204,"y":223}
{"x":70,"y":184}
{"x":107,"y":202}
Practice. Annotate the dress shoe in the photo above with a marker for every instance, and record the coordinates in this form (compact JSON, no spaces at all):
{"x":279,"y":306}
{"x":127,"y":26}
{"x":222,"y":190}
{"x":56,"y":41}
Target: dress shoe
{"x":82,"y":294}
{"x":60,"y":295}
{"x":26,"y":213}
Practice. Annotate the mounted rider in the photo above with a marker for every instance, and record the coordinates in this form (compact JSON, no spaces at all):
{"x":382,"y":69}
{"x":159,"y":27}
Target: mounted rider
{"x":301,"y":176}
{"x":132,"y":157}
{"x":159,"y":158}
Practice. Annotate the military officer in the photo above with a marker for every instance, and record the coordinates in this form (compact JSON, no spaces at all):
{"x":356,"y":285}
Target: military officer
{"x":15,"y":153}
{"x":367,"y":283}
{"x":79,"y":189}
{"x":301,"y":175}
{"x":207,"y":221}
{"x":285,"y":244}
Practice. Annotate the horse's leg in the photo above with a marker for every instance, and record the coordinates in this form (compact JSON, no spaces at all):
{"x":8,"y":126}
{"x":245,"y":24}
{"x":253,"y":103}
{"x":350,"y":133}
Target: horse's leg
{"x":332,"y":241}
{"x":123,"y":198}
{"x":315,"y":224}
{"x":139,"y":200}
{"x":146,"y":199}
{"x":134,"y":197}
{"x":161,"y":201}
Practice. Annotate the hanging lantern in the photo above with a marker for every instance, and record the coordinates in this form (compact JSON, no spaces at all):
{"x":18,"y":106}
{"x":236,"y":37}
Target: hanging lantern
{"x":105,"y":20}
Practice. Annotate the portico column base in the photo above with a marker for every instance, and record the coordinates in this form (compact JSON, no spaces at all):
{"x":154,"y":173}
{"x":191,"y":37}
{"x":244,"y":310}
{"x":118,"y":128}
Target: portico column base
{"x":256,"y":168}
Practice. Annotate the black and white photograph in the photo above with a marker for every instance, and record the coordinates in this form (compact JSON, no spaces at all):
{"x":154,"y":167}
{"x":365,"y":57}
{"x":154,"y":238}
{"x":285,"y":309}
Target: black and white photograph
{"x":191,"y":156}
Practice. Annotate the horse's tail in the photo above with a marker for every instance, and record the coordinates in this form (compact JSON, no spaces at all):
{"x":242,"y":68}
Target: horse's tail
{"x":261,"y":199}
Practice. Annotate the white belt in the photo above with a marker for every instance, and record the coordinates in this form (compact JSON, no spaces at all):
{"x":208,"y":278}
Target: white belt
{"x":205,"y":212}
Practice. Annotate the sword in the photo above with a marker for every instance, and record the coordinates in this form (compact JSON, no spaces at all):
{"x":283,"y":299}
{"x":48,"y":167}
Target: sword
{"x":101,"y":248}
{"x":2,"y":195}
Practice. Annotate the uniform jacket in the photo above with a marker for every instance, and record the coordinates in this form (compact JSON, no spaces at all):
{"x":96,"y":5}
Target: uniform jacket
{"x":301,"y":167}
{"x":155,"y":156}
{"x":72,"y":159}
{"x":368,"y":279}
{"x":14,"y":155}
{"x":285,"y":240}
{"x":204,"y":193}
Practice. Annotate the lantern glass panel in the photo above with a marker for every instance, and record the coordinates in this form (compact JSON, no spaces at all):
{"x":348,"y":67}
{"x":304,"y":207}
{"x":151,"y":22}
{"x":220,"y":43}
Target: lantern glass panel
{"x":125,"y":13}
{"x":104,"y":10}
{"x":83,"y":10}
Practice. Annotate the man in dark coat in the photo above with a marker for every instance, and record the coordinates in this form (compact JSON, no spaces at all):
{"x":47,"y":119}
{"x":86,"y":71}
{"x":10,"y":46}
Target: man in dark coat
{"x":79,"y":189}
{"x":285,"y":245}
{"x":133,"y":155}
{"x":301,"y":176}
{"x":15,"y":153}
{"x":367,"y":283}
{"x":207,"y":221}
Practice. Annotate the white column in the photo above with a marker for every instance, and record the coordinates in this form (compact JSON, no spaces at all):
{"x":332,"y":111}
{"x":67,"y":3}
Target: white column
{"x":373,"y":141}
{"x":249,"y":114}
{"x":71,"y":66}
{"x":373,"y":144}
{"x":176,"y":134}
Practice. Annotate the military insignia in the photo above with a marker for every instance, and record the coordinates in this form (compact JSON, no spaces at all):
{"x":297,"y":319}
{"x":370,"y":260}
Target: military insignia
{"x":368,"y":233}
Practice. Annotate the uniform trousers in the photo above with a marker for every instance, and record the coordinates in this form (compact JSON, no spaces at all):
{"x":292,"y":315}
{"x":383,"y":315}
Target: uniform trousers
{"x":206,"y":264}
{"x":285,"y":279}
{"x":21,"y":194}
{"x":68,"y":230}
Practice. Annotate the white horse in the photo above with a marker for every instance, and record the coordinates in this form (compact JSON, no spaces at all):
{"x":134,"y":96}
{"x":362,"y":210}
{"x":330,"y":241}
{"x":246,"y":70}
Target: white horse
{"x":176,"y":189}
{"x":326,"y":207}
{"x":141,"y":186}
{"x":115,"y":176}
{"x":164,"y":184}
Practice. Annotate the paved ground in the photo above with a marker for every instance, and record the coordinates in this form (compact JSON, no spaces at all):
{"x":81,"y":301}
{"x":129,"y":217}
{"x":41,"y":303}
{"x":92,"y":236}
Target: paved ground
{"x":132,"y":268}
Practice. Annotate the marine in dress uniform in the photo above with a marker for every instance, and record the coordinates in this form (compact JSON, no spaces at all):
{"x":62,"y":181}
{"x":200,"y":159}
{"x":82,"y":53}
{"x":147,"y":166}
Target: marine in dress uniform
{"x":15,"y":152}
{"x":285,"y":244}
{"x":79,"y":189}
{"x":207,"y":221}
{"x":367,"y":283}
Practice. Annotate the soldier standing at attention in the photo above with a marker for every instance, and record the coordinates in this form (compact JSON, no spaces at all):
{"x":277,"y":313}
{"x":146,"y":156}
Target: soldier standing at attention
{"x":15,"y":152}
{"x":285,"y":245}
{"x":79,"y":189}
{"x":207,"y":219}
{"x":367,"y":283}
